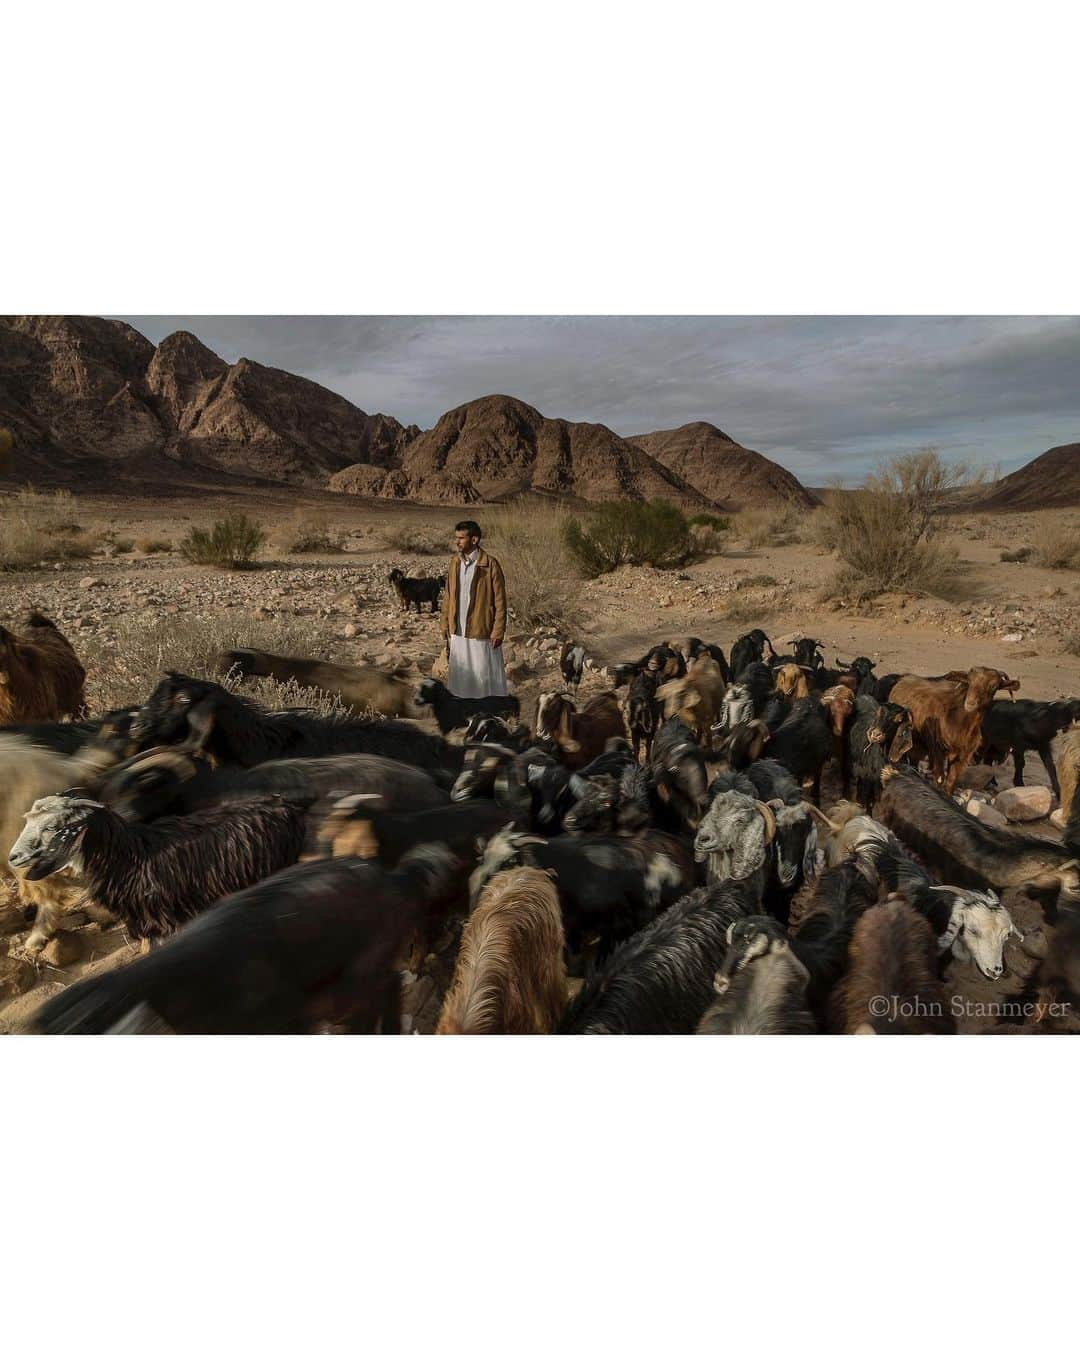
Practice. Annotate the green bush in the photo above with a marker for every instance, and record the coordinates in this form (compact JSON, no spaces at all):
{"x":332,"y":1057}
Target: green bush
{"x":713,"y":522}
{"x":232,"y":542}
{"x":628,"y":532}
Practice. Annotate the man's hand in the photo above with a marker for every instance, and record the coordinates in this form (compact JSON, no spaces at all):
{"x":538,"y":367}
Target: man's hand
{"x":496,"y":642}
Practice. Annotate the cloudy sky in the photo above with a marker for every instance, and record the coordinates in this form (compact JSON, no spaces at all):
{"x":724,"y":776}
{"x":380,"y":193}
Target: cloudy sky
{"x":826,"y":397}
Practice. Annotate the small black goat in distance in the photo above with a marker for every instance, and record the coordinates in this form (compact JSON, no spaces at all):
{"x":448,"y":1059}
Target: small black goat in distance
{"x":417,"y":590}
{"x":572,"y":664}
{"x":452,"y":712}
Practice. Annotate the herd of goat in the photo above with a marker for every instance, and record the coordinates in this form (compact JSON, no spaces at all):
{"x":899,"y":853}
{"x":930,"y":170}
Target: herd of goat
{"x":652,"y":860}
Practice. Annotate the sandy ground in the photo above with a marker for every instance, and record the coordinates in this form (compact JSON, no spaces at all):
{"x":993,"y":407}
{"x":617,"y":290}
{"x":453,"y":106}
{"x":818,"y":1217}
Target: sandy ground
{"x":1015,"y":617}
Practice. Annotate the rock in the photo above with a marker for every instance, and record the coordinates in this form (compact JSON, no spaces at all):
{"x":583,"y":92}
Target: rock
{"x":977,"y":776}
{"x":1058,"y":818}
{"x":1012,"y":637}
{"x":986,"y":813}
{"x":519,"y":673}
{"x":62,"y":950}
{"x":549,"y":644}
{"x":16,"y":977}
{"x":350,"y":630}
{"x":12,"y":919}
{"x":1024,"y":803}
{"x":90,"y":583}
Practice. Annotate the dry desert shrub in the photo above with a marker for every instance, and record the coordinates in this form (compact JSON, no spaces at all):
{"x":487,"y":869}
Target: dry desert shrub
{"x":148,"y":545}
{"x":1059,"y":544}
{"x":619,"y":532}
{"x":1071,"y":645}
{"x":417,"y":540}
{"x":762,"y":526}
{"x":745,"y":609}
{"x":233,"y":542}
{"x":38,"y":527}
{"x":707,"y":541}
{"x":306,"y":532}
{"x":125,"y":662}
{"x":528,"y":538}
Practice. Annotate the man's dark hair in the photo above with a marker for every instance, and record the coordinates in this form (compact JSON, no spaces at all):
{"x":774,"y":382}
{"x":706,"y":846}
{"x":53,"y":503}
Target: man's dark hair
{"x":469,"y":526}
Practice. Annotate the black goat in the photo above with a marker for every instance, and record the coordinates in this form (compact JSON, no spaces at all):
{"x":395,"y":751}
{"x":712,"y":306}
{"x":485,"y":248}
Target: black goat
{"x":417,"y":590}
{"x":663,"y":661}
{"x":967,"y":852}
{"x":748,"y":649}
{"x":643,"y":712}
{"x":318,"y":943}
{"x":155,"y":876}
{"x":821,"y":941}
{"x":879,"y":734}
{"x":694,"y":647}
{"x":488,"y":729}
{"x":234,"y":730}
{"x":858,"y":675}
{"x":761,"y":986}
{"x":452,"y":712}
{"x":661,"y":979}
{"x":609,"y":886}
{"x":356,"y":827}
{"x":1017,"y":726}
{"x":677,"y":765}
{"x":572,"y":664}
{"x":803,"y":743}
{"x":170,"y":781}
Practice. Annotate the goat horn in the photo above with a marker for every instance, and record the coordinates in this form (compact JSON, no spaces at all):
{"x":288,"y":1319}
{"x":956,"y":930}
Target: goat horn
{"x":769,"y":819}
{"x":823,"y":819}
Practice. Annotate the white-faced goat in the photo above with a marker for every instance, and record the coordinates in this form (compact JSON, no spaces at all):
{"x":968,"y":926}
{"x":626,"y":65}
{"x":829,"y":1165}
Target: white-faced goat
{"x":156,"y":876}
{"x":761,"y":985}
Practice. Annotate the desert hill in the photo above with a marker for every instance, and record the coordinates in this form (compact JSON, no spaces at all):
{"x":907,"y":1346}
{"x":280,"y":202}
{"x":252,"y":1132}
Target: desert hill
{"x":721,"y":469}
{"x":76,"y":391}
{"x":496,"y":446}
{"x":1053,"y":479}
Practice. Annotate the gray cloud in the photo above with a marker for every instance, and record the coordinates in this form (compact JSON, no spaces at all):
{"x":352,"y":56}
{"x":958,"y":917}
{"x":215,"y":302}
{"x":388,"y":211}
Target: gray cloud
{"x":827,"y":397}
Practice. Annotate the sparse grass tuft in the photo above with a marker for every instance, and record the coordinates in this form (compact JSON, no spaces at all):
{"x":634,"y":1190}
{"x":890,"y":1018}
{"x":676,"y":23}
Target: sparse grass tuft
{"x":706,"y":541}
{"x":232,"y":542}
{"x":528,"y":540}
{"x":759,"y":579}
{"x":411,"y":539}
{"x":713,"y":522}
{"x":770,"y":525}
{"x":306,"y":533}
{"x":126,"y":660}
{"x":1016,"y":555}
{"x":37,"y":527}
{"x":744,"y":609}
{"x":1071,"y":646}
{"x":1059,"y":545}
{"x":148,"y":545}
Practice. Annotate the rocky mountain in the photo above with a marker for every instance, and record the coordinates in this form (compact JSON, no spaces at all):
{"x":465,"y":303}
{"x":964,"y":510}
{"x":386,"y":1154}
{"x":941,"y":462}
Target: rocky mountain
{"x":1053,"y":479}
{"x":83,"y":396}
{"x":721,"y":469}
{"x":497,"y":446}
{"x":76,"y":391}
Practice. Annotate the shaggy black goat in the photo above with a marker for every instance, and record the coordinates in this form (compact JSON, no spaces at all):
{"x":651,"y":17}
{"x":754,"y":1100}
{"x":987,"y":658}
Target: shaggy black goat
{"x":356,"y":827}
{"x":488,"y":729}
{"x":234,"y":730}
{"x":747,"y":650}
{"x":318,"y":943}
{"x":822,"y":938}
{"x":155,"y":876}
{"x":663,"y":661}
{"x":643,"y":711}
{"x":878,"y":734}
{"x":968,"y":852}
{"x":660,"y":981}
{"x":1015,"y":727}
{"x":608,"y":885}
{"x":677,"y":765}
{"x":803,"y":743}
{"x":175,"y":782}
{"x":761,"y":986}
{"x":451,"y":711}
{"x":694,"y":647}
{"x":858,"y":676}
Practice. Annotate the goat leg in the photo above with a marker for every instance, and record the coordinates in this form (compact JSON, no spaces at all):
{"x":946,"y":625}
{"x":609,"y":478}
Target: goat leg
{"x":1018,"y":768}
{"x":1051,"y":770}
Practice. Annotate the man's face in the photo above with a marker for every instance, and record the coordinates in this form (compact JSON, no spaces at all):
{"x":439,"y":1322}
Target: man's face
{"x":465,"y":542}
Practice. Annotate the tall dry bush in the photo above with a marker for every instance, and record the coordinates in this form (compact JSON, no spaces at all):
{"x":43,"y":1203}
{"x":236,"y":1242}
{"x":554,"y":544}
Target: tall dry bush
{"x":233,"y":542}
{"x":886,"y":531}
{"x":528,"y":538}
{"x":308,"y":532}
{"x":761,"y":526}
{"x":1059,"y":544}
{"x":37,"y":527}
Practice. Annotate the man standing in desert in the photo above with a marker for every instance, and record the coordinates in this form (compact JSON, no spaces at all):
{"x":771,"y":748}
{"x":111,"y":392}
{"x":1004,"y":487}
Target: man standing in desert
{"x":474,"y":617}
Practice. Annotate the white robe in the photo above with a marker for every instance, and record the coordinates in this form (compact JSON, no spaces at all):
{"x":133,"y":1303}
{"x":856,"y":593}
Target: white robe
{"x":476,"y":667}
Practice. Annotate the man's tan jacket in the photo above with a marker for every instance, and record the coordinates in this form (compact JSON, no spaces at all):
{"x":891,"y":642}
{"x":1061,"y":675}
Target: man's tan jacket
{"x":487,"y":603}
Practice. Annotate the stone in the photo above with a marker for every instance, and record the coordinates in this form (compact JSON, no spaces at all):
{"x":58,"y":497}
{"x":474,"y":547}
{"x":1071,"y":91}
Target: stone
{"x":977,"y":776}
{"x":1058,"y":818}
{"x":16,"y":977}
{"x":90,"y":583}
{"x":62,"y":949}
{"x":1024,"y":803}
{"x":350,"y":630}
{"x":988,"y":814}
{"x":1012,"y":637}
{"x":519,"y":673}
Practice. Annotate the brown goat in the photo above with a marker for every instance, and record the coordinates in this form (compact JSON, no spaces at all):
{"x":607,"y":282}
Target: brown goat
{"x":791,"y":681}
{"x":360,"y":688}
{"x":892,"y":984}
{"x":510,"y":977}
{"x":946,"y":716}
{"x":41,"y":679}
{"x":839,"y":703}
{"x":697,"y":698}
{"x":579,"y":736}
{"x":1068,"y":767}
